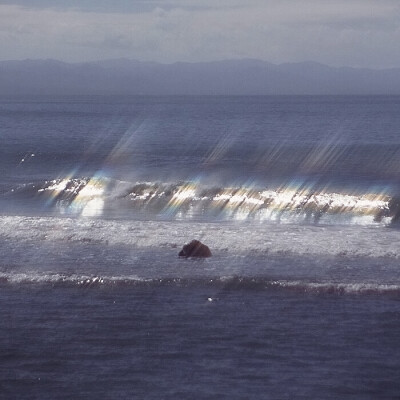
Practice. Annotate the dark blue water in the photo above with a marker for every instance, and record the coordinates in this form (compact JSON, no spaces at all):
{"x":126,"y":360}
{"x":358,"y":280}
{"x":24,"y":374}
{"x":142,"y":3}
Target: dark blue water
{"x":237,"y":138}
{"x":170,"y":342}
{"x":298,"y":199}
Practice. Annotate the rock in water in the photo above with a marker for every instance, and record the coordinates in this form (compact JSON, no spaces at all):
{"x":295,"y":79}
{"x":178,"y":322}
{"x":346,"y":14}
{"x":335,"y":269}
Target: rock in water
{"x":195,"y":249}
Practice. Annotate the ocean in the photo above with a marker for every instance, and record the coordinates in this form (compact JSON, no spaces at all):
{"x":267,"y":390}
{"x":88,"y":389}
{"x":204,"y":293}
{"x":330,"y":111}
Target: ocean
{"x":298,"y":198}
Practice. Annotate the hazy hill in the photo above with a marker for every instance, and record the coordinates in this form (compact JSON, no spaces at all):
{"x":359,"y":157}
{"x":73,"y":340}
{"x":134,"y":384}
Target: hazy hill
{"x":232,"y":77}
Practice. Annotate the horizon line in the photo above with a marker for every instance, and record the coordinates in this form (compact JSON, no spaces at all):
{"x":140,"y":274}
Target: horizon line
{"x":248,"y":59}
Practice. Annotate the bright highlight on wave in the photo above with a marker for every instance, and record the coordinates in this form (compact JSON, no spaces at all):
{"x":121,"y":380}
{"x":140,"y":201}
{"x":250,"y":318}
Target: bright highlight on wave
{"x":329,"y":202}
{"x":188,"y":200}
{"x":84,"y":196}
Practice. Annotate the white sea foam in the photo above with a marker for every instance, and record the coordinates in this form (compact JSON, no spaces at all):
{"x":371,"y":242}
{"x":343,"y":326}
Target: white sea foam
{"x":345,"y":288}
{"x":237,"y":238}
{"x":219,"y":283}
{"x":37,"y":277}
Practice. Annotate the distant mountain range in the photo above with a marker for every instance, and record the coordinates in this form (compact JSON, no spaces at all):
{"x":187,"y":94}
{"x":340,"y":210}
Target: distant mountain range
{"x":231,"y":77}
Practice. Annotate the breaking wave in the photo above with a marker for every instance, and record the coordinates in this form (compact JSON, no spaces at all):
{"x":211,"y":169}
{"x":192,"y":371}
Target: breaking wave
{"x":100,"y":196}
{"x":221,"y":284}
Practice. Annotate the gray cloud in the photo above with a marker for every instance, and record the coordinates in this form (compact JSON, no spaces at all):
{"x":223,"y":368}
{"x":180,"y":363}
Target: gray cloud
{"x":354,"y":32}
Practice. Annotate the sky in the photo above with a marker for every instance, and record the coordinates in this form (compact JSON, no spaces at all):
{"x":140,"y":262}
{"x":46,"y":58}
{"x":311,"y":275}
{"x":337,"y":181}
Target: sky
{"x":355,"y":33}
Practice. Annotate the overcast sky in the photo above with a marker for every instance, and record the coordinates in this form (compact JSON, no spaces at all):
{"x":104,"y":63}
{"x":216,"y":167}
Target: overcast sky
{"x":358,"y":33}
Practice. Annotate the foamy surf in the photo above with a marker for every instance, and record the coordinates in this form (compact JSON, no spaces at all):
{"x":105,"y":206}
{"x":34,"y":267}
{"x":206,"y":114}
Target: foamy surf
{"x":221,"y":284}
{"x":233,"y":237}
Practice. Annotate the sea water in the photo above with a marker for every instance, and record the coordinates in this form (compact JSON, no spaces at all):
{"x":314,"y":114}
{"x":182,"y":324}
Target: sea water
{"x":298,"y":198}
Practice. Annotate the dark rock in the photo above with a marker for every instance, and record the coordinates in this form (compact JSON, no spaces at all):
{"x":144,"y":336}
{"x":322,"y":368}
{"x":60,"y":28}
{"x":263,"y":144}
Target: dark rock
{"x":195,"y":249}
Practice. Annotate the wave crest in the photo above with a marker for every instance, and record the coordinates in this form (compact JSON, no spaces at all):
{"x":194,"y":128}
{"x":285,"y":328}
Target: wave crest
{"x":221,"y":284}
{"x":188,"y":200}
